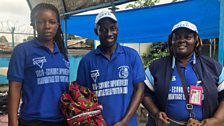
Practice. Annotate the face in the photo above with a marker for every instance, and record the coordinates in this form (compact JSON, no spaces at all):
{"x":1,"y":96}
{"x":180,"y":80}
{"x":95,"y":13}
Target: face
{"x":107,"y":32}
{"x":46,"y":24}
{"x":183,"y":42}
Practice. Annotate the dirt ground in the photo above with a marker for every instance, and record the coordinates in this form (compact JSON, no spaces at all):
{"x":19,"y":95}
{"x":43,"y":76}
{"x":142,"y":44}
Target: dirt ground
{"x":142,"y":115}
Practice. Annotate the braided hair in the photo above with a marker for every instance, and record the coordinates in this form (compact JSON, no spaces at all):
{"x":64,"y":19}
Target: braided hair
{"x":58,"y":38}
{"x":197,"y":48}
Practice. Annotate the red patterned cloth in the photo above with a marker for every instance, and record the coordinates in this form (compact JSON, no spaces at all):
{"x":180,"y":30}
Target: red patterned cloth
{"x":80,"y":106}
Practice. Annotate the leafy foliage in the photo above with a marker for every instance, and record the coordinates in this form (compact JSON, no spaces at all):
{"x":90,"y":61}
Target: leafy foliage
{"x":142,"y":3}
{"x":154,"y":52}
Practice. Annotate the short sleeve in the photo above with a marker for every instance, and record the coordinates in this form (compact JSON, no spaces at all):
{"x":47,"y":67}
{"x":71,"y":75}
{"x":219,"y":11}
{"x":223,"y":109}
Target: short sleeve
{"x":17,"y":64}
{"x":138,"y":70}
{"x":149,"y":83}
{"x":82,"y":73}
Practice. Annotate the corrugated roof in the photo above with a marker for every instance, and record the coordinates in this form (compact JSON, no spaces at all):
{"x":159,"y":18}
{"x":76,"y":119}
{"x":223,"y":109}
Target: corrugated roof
{"x":69,"y":7}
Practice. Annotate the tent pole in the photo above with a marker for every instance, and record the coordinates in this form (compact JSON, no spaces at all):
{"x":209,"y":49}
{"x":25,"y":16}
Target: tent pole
{"x":221,"y":34}
{"x":65,"y":31}
{"x":94,"y":44}
{"x":210,"y":47}
{"x":139,"y":48}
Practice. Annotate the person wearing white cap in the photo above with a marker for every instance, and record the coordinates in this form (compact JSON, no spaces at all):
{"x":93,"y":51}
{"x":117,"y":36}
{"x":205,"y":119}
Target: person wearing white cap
{"x":114,"y":72}
{"x":185,"y":86}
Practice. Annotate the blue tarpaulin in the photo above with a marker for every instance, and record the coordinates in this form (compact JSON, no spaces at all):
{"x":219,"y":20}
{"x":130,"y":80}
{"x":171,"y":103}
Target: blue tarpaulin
{"x":153,"y":24}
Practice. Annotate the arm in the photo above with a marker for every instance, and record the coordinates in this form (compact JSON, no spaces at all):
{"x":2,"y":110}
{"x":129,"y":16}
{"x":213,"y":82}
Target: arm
{"x":13,"y":102}
{"x":136,"y":100}
{"x":82,"y":76}
{"x":217,"y":119}
{"x":149,"y":104}
{"x":160,"y":117}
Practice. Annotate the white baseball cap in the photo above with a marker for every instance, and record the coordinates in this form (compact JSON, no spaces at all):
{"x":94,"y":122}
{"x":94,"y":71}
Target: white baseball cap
{"x":185,"y":24}
{"x":105,"y":14}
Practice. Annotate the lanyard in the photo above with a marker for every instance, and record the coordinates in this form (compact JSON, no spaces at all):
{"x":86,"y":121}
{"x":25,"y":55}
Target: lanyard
{"x":189,"y":106}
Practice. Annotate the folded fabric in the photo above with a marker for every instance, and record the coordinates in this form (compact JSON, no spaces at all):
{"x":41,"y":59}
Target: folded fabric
{"x":80,"y":107}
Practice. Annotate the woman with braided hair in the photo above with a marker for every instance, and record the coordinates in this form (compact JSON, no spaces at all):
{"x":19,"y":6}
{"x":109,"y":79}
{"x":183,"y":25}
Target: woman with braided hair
{"x":39,"y":73}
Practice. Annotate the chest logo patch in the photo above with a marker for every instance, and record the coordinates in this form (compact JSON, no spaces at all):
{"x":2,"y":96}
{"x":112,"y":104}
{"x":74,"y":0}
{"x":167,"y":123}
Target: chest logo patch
{"x":123,"y":71}
{"x":173,"y":78}
{"x":95,"y":74}
{"x":39,"y":61}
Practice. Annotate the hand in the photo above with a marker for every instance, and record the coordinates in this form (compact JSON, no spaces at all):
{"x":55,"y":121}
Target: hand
{"x":211,"y":122}
{"x":161,"y":119}
{"x":121,"y":123}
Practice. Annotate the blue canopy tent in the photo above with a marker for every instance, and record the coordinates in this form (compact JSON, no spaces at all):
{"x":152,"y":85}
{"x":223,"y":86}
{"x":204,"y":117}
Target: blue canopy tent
{"x":150,"y":24}
{"x":153,"y":24}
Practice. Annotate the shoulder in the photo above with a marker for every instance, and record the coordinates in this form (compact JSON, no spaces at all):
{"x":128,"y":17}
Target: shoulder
{"x":161,"y":64}
{"x":210,"y":62}
{"x":89,"y":56}
{"x":163,"y":60}
{"x":25,"y":44}
{"x":207,"y":59}
{"x":129,"y":50}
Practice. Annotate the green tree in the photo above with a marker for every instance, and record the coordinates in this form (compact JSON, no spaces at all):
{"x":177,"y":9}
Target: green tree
{"x":155,"y":51}
{"x":142,"y":3}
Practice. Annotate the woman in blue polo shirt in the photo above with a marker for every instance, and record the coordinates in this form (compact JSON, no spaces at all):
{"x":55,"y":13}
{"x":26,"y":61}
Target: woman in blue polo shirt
{"x":185,"y":85}
{"x":39,"y":73}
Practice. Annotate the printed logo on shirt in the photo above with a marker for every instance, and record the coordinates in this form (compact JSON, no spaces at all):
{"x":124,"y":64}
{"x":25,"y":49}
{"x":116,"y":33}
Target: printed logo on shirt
{"x":113,"y":87}
{"x":39,"y":61}
{"x":95,"y":74}
{"x":52,"y":75}
{"x":176,"y":93}
{"x":173,"y":78}
{"x":123,"y":71}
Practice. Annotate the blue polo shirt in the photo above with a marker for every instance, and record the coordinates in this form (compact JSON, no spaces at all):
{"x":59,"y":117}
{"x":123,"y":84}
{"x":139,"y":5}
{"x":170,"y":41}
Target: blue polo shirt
{"x":44,"y":76}
{"x":112,"y":80}
{"x":176,"y":105}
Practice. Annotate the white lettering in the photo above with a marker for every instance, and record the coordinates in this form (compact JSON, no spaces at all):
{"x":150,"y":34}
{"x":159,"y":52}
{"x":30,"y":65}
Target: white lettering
{"x":57,"y":71}
{"x":39,"y":73}
{"x":52,"y":79}
{"x":112,"y":91}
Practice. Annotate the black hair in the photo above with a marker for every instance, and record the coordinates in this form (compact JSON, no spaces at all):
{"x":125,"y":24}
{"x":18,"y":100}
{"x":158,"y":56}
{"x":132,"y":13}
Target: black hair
{"x":59,"y":38}
{"x":197,"y":48}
